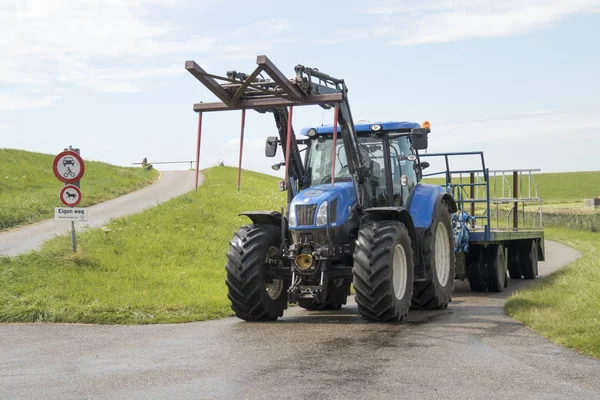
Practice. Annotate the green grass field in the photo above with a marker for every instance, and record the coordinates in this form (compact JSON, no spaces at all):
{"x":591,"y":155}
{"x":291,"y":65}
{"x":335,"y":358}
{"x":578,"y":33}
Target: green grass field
{"x":556,"y":188}
{"x":565,"y":307}
{"x":562,"y":194}
{"x":29,"y":190}
{"x":163,"y":265}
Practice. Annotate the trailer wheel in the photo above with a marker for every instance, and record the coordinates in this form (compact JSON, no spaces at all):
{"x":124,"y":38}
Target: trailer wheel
{"x":514,"y":262}
{"x":337,"y":295}
{"x":253,"y":296}
{"x":475,"y":269}
{"x":383,"y":271}
{"x":437,"y":243}
{"x":529,"y":256}
{"x":494,"y":268}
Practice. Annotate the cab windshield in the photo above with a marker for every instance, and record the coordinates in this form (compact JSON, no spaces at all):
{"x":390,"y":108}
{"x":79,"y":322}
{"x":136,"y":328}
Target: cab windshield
{"x":320,"y":158}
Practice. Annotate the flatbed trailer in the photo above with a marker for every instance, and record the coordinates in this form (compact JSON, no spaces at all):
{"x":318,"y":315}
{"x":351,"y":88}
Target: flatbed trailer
{"x":486,"y":250}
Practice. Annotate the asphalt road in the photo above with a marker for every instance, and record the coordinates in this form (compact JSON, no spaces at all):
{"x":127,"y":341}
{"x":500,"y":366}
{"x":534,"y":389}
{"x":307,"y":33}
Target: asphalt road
{"x":170,"y":184}
{"x":469,"y":351}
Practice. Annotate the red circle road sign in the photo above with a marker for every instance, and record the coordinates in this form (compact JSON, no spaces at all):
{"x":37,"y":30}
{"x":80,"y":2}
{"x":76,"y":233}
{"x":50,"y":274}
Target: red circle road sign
{"x":68,"y":167}
{"x":70,"y":195}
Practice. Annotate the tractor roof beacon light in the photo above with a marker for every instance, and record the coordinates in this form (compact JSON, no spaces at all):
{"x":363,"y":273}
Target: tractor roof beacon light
{"x":426,"y":125}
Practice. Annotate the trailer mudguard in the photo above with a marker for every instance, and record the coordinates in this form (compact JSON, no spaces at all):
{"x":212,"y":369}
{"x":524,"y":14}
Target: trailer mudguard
{"x":425,"y":200}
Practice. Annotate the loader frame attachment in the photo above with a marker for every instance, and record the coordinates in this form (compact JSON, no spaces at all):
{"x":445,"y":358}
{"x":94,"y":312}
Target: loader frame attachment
{"x":267,"y":89}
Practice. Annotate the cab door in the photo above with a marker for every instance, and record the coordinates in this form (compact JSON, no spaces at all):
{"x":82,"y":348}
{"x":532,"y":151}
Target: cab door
{"x":404,"y":175}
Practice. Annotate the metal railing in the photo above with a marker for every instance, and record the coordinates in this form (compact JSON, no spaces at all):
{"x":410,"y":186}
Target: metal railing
{"x":164,"y":162}
{"x":471,"y":187}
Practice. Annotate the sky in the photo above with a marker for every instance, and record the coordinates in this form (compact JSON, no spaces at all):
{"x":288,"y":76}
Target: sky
{"x":517,"y":79}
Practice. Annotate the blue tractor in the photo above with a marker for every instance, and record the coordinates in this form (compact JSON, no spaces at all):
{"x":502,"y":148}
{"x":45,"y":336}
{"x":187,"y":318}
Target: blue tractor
{"x":356,"y":213}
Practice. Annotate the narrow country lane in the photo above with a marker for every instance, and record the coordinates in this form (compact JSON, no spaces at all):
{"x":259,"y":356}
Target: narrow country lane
{"x":170,"y":184}
{"x":469,"y":351}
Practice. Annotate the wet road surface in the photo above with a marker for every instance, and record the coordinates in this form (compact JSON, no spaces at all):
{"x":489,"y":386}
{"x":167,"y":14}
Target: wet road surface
{"x":469,"y":351}
{"x":171,"y":184}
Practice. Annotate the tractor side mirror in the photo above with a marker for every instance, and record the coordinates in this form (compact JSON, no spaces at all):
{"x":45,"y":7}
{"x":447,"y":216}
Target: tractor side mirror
{"x":277,"y":166}
{"x":271,"y":146}
{"x":424,"y":165}
{"x":418,"y":138}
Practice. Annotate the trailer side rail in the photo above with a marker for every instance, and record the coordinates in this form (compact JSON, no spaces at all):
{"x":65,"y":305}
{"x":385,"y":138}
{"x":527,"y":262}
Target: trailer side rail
{"x":480,"y":189}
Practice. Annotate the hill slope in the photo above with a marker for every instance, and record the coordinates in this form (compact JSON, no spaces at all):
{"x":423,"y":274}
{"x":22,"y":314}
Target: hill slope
{"x":165,"y":264}
{"x":29,"y":190}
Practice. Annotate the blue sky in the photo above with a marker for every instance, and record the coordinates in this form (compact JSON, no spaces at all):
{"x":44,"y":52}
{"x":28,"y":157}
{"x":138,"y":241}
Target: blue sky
{"x":516,"y":79}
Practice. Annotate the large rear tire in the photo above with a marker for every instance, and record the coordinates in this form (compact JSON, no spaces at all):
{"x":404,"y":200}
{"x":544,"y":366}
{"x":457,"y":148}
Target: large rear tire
{"x":253,"y":296}
{"x":383,"y":271}
{"x":337,"y":296}
{"x":529,"y":256}
{"x":437,"y":243}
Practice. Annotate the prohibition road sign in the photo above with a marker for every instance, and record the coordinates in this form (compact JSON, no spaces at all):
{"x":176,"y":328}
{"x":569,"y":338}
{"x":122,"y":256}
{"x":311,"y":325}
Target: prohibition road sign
{"x":70,"y":195}
{"x":68,"y":167}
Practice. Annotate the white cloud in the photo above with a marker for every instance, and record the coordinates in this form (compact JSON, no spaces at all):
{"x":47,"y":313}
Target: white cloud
{"x":106,"y":45}
{"x":430,"y":21}
{"x":554,"y":141}
{"x":10,"y":101}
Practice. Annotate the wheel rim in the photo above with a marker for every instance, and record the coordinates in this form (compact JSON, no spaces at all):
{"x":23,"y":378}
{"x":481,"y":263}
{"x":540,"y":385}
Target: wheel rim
{"x":400,"y":275}
{"x":275,"y":287}
{"x":442,"y":254}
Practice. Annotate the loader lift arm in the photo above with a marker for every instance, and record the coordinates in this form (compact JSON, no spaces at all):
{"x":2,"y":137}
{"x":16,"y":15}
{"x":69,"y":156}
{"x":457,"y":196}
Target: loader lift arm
{"x":274,"y":93}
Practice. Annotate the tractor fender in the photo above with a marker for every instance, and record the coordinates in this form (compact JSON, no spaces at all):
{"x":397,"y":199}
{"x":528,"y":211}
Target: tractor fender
{"x":425,"y":200}
{"x":268,"y":218}
{"x":400,"y":214}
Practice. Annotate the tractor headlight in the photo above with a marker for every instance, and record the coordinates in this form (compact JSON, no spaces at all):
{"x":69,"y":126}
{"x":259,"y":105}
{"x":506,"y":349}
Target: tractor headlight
{"x":292,"y":217}
{"x":311,"y":133}
{"x":322,"y":214}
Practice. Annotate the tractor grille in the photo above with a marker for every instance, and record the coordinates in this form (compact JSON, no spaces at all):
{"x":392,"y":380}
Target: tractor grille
{"x":306,"y":214}
{"x":333,"y":211}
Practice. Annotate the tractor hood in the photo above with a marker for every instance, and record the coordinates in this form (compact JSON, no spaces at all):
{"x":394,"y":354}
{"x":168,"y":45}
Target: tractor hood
{"x":340,"y":198}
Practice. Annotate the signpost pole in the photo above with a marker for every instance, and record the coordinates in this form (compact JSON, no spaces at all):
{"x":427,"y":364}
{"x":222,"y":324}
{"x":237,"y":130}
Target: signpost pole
{"x":73,"y":238}
{"x":78,"y":184}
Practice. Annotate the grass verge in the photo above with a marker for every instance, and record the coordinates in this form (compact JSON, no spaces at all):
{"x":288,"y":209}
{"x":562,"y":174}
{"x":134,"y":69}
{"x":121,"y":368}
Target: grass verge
{"x":29,"y":190}
{"x":565,"y":306}
{"x":554,"y":188}
{"x":163,"y":265}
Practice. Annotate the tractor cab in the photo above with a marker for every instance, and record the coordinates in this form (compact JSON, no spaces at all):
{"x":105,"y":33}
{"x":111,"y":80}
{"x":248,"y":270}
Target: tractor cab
{"x":392,"y":160}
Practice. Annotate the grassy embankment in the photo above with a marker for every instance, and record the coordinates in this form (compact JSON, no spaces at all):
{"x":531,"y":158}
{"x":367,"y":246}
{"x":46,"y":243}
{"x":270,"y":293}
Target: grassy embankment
{"x":565,"y":306}
{"x":29,"y":190}
{"x":163,"y":265}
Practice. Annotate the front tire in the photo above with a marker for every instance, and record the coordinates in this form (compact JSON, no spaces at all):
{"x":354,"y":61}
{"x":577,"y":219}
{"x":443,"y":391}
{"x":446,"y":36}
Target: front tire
{"x":383,"y":271}
{"x":253,"y":296}
{"x":439,"y":260}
